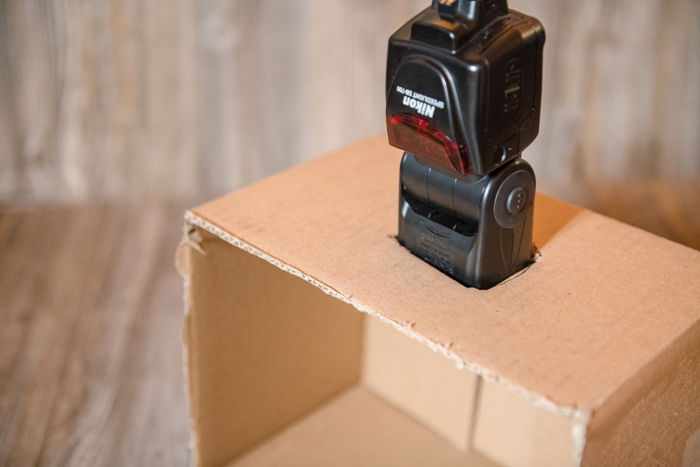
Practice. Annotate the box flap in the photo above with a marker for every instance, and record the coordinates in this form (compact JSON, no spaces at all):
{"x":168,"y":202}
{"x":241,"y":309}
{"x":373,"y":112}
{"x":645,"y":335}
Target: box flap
{"x":602,"y":300}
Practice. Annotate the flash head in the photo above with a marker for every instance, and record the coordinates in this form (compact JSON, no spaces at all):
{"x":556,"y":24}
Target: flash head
{"x":463,"y":84}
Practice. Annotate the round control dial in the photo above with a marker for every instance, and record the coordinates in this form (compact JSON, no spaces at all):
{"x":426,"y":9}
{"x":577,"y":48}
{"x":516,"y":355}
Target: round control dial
{"x":516,"y":200}
{"x":514,"y":196}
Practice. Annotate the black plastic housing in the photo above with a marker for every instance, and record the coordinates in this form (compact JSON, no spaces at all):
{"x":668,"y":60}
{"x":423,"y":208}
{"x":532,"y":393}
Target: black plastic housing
{"x":463,"y":88}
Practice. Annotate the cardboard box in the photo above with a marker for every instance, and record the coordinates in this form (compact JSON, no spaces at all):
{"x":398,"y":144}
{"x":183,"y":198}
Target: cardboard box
{"x":313,"y":338}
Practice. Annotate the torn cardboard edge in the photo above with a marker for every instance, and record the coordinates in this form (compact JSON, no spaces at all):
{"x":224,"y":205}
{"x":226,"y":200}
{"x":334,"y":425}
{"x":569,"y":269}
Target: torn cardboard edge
{"x":580,"y":418}
{"x":183,"y":268}
{"x":545,"y":330}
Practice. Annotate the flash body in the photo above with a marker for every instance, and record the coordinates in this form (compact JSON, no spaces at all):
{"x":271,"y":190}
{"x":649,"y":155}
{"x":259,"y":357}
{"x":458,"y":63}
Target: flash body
{"x":463,"y":93}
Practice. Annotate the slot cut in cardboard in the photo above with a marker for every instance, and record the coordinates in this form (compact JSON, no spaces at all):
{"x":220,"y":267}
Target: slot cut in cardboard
{"x":312,"y":338}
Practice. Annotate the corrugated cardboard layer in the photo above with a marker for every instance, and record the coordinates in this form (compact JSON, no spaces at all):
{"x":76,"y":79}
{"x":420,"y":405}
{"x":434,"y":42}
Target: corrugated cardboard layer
{"x":603,"y":299}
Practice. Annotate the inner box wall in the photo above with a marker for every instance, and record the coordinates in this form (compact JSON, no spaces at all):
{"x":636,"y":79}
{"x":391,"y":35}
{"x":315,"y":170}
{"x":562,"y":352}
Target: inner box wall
{"x":420,"y":382}
{"x":263,"y":347}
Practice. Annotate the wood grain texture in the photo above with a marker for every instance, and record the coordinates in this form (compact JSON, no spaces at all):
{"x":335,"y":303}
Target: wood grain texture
{"x":134,"y":99}
{"x":90,"y":365}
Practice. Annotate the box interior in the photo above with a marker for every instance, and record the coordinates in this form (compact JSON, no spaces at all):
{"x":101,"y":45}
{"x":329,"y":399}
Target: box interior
{"x":283,"y":373}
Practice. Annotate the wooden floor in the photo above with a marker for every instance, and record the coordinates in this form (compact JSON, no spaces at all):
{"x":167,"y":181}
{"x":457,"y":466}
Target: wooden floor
{"x":90,"y":359}
{"x":91,"y":307}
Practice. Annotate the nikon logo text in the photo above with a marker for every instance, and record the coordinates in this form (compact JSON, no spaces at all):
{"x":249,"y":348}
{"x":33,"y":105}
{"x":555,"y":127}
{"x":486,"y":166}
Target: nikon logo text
{"x":422,"y":108}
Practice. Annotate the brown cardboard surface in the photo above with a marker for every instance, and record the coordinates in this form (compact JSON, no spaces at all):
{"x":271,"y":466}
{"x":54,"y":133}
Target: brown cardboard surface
{"x":262,"y":348}
{"x":420,"y":382}
{"x":652,"y":418}
{"x":512,"y":431}
{"x":358,"y":429}
{"x":601,"y":302}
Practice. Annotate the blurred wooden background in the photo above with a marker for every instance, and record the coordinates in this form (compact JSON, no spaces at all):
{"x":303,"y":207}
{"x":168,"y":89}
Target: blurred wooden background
{"x":137,"y":99}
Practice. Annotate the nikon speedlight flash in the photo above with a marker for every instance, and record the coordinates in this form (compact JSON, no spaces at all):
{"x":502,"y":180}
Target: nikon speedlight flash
{"x":463,"y":87}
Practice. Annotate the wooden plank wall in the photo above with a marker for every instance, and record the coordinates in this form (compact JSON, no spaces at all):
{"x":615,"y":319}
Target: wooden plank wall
{"x":133,"y":99}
